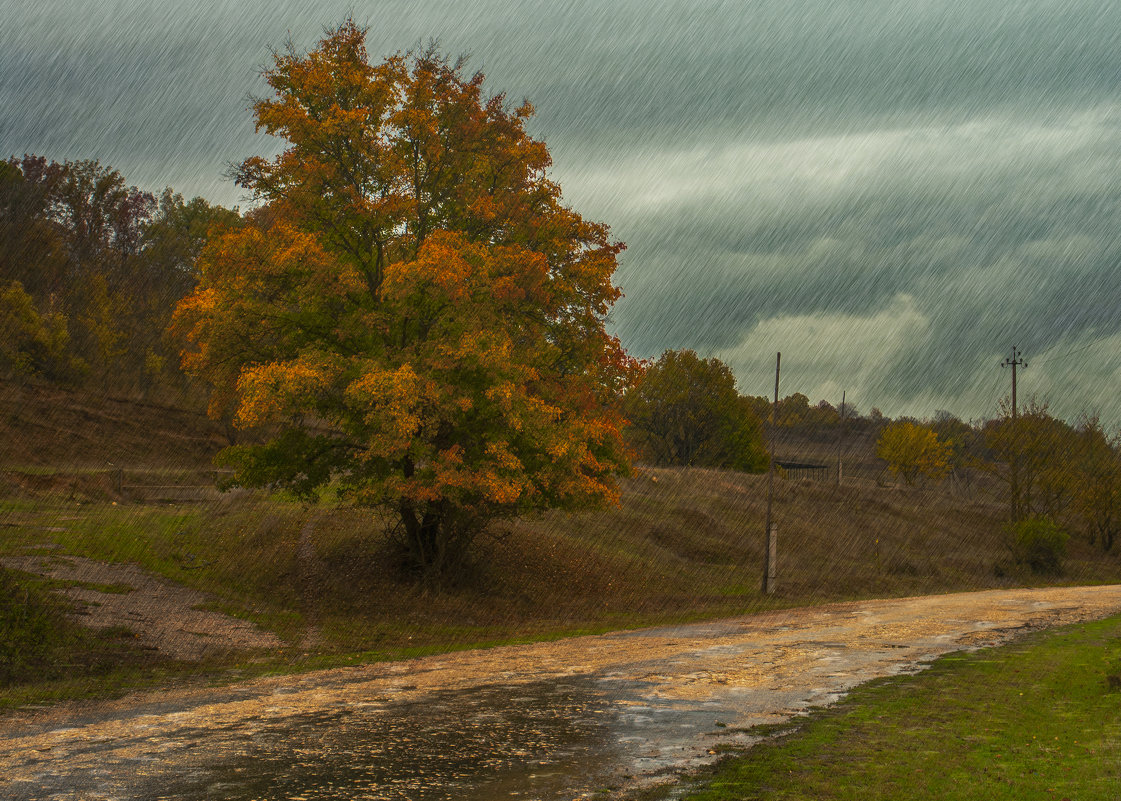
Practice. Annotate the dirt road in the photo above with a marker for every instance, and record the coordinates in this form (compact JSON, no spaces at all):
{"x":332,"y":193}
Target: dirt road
{"x":557,"y":720}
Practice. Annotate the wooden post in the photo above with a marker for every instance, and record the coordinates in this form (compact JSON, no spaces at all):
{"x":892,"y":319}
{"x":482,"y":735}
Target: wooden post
{"x":772,"y":558}
{"x":770,"y":552}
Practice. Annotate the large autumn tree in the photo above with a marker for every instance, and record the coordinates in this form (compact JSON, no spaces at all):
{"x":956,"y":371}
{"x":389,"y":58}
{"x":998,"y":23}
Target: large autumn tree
{"x":411,"y":313}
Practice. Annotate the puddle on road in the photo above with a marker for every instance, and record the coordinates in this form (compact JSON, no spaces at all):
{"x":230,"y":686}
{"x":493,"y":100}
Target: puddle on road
{"x":547,"y":741}
{"x":530,"y":741}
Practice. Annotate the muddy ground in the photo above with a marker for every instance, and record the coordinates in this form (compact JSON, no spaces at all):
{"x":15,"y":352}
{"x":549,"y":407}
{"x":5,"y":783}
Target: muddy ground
{"x":579,"y":718}
{"x":174,"y":620}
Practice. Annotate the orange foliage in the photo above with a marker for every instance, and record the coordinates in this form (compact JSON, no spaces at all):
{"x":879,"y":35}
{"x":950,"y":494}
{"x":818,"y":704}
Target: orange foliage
{"x":412,"y":303}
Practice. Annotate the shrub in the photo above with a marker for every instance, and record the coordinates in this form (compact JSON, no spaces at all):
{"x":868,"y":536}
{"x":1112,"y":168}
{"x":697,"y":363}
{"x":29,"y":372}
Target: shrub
{"x":30,"y":343}
{"x":912,"y":450}
{"x":1038,"y":543}
{"x":29,"y":626}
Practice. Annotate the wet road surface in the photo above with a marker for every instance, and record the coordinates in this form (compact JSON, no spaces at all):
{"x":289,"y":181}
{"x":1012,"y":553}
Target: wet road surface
{"x":560,"y":720}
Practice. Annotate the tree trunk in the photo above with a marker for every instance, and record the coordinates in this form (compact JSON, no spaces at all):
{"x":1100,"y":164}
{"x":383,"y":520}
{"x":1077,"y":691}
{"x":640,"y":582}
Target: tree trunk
{"x":435,"y":542}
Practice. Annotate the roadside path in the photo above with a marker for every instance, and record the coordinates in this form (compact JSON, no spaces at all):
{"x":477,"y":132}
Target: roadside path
{"x":557,"y":720}
{"x":167,"y":617}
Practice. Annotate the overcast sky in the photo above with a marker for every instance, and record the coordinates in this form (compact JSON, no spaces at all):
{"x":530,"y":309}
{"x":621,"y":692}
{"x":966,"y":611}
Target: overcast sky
{"x":890,"y":193}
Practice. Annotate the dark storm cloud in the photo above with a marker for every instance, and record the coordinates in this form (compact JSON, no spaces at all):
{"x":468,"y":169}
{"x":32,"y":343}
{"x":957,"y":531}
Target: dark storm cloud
{"x":889,"y":192}
{"x":996,"y":230}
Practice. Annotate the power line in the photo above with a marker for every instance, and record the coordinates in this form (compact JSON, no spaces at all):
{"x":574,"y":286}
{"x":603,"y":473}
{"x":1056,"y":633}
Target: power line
{"x":1071,"y":352}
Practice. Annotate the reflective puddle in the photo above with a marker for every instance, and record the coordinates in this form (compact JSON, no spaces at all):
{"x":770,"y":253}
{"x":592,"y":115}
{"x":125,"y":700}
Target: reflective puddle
{"x":531,"y":741}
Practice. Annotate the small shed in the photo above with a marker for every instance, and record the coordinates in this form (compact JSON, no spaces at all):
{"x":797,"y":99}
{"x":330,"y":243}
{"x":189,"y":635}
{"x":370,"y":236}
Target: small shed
{"x":814,"y":472}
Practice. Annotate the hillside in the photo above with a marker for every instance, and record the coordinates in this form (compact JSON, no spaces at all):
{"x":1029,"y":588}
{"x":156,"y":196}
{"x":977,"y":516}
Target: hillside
{"x":45,"y":425}
{"x":683,"y":544}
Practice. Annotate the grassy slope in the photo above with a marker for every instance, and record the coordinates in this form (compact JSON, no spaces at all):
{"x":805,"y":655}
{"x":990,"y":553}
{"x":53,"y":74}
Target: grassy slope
{"x":684,"y":544}
{"x":1036,"y":719}
{"x":42,"y":425}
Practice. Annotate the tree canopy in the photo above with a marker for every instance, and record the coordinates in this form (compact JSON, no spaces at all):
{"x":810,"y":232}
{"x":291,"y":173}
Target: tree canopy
{"x":412,"y":312}
{"x":686,"y":411}
{"x":1033,"y":451}
{"x":1095,"y":476}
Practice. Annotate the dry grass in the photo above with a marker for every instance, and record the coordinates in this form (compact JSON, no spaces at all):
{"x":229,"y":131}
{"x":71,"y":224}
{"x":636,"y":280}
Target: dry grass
{"x":684,"y":544}
{"x":45,"y":425}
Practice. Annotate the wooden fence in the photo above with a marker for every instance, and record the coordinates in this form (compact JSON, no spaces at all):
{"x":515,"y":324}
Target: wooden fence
{"x":127,"y":484}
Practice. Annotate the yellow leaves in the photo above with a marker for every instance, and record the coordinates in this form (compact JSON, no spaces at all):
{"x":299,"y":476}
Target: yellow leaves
{"x":490,"y":350}
{"x":461,"y":304}
{"x":558,"y":450}
{"x":502,"y":394}
{"x":338,"y":68}
{"x":443,"y":270}
{"x":484,"y":208}
{"x":499,"y":489}
{"x":519,"y":275}
{"x":499,"y":454}
{"x":378,"y":386}
{"x":496,"y":477}
{"x":389,"y":402}
{"x":252,"y":259}
{"x":912,"y":450}
{"x":270,"y":392}
{"x":450,"y":270}
{"x":263,"y":288}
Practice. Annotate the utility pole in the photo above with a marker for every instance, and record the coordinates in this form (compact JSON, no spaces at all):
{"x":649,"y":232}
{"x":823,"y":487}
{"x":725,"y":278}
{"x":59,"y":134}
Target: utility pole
{"x":1013,"y":457}
{"x":840,"y":437}
{"x":770,"y":552}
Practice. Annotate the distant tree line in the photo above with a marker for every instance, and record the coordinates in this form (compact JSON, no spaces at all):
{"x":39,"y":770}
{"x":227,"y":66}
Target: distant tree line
{"x":90,"y":271}
{"x":685,"y":410}
{"x":1066,"y":475}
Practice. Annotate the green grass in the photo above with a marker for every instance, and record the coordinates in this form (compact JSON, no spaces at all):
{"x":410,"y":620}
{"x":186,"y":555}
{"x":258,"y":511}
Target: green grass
{"x":1036,"y":719}
{"x":243,"y":554}
{"x":45,"y":657}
